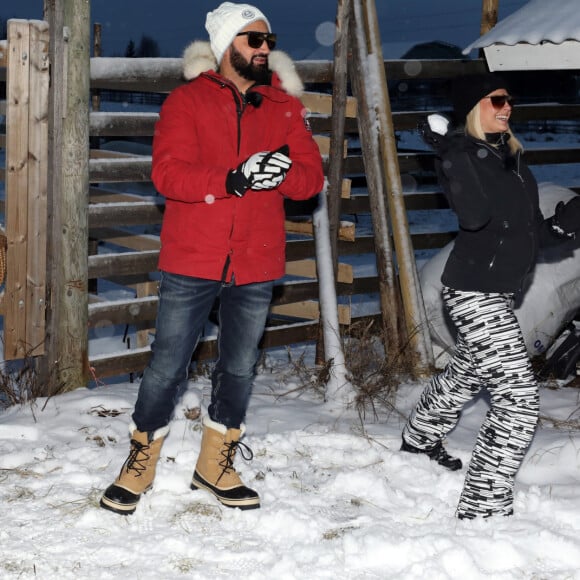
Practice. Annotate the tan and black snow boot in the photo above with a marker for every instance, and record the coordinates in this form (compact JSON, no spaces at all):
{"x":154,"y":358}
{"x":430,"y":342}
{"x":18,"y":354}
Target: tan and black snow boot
{"x":215,"y":471}
{"x":138,"y":471}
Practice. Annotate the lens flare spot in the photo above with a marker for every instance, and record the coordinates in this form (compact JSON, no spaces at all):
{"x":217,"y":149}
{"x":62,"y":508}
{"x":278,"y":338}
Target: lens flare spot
{"x":408,"y":182}
{"x":413,"y":68}
{"x":326,"y":33}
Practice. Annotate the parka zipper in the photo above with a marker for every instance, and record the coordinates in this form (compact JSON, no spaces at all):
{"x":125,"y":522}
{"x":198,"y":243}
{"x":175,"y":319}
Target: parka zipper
{"x":518,"y":156}
{"x":497,"y":248}
{"x":238,"y":100}
{"x":515,"y":172}
{"x":240,"y":106}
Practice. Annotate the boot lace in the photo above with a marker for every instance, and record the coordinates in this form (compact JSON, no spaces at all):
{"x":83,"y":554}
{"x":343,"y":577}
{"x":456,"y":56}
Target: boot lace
{"x":134,"y":462}
{"x":229,"y":452}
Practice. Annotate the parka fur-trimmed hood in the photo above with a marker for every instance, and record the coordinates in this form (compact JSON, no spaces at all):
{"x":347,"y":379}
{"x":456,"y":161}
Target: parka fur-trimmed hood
{"x":198,"y":58}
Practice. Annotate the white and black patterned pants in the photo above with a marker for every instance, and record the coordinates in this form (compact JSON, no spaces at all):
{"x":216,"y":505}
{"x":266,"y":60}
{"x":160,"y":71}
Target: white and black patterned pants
{"x":490,"y":352}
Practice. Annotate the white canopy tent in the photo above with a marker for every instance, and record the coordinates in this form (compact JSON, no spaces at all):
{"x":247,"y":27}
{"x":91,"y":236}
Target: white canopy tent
{"x":542,"y":35}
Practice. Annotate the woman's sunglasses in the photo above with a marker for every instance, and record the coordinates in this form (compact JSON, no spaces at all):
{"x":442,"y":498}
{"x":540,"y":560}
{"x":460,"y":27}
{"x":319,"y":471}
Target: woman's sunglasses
{"x":256,"y":39}
{"x":498,"y":101}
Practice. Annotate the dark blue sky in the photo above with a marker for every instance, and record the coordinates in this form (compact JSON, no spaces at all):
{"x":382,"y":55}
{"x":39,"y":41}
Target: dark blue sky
{"x":304,"y":26}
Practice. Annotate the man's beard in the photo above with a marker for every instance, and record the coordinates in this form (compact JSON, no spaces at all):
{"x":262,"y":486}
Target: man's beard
{"x":249,"y":71}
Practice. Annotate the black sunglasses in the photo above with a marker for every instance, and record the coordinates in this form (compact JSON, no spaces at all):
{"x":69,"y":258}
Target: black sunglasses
{"x":498,"y":101}
{"x":256,"y":39}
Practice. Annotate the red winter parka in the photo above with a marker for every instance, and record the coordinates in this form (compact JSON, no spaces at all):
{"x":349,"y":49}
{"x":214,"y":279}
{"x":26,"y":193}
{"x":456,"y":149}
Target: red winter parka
{"x":206,"y":128}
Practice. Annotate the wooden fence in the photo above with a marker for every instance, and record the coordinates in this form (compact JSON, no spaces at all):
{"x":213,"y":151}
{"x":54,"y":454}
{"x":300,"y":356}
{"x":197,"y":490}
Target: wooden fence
{"x":123,"y":224}
{"x":115,"y":211}
{"x":23,"y":304}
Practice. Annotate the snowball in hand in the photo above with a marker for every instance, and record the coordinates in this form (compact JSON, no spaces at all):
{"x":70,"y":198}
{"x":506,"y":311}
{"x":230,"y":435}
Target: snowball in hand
{"x":438,"y":124}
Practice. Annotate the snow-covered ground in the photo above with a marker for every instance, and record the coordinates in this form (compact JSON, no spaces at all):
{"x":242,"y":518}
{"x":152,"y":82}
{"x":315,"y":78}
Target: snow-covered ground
{"x":339,"y":500}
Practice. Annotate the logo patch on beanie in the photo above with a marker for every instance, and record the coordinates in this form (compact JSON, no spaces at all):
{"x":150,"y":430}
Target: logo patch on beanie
{"x":248,"y":14}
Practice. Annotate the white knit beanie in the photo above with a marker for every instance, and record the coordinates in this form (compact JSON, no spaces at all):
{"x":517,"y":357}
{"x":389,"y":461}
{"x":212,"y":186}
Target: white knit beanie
{"x":223,"y":23}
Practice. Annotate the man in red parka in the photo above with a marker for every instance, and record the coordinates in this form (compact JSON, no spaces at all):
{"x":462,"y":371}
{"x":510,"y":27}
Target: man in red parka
{"x":228,"y":147}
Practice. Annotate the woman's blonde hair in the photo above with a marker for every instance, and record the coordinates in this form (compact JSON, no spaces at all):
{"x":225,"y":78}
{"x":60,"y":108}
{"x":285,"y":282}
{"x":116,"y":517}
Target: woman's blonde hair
{"x":473,"y":127}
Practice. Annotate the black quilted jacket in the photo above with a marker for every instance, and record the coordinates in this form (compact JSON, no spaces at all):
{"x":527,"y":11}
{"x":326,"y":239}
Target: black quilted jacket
{"x":495,"y":197}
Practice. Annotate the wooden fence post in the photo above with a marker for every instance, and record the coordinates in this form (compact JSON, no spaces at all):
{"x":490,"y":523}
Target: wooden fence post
{"x":67,"y":319}
{"x":489,"y":10}
{"x":415,"y":317}
{"x":335,"y":172}
{"x":367,"y":120}
{"x":339,"y":97}
{"x":97,"y":52}
{"x":18,"y":87}
{"x":26,"y":186}
{"x":38,"y":185}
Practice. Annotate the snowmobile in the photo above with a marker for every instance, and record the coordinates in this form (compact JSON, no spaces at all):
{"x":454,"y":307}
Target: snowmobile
{"x":548,"y":308}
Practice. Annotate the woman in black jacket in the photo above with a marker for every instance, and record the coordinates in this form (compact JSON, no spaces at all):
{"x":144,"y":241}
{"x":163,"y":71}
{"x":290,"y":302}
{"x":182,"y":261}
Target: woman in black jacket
{"x":501,"y":228}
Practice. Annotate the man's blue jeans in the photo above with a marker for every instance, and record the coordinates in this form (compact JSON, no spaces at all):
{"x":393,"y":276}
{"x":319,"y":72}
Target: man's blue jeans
{"x":184,"y":306}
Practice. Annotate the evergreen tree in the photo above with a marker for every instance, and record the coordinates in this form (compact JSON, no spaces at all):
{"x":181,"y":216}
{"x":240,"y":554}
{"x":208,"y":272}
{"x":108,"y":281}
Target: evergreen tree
{"x":130,"y":50}
{"x":148,"y":48}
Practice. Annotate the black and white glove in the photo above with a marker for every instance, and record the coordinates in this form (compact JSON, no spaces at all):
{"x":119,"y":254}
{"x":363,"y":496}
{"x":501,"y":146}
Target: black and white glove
{"x":566,"y":219}
{"x":263,"y":170}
